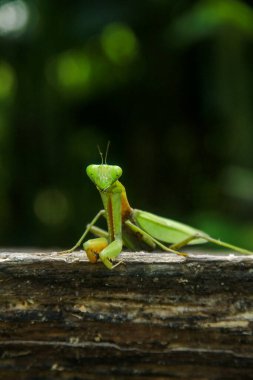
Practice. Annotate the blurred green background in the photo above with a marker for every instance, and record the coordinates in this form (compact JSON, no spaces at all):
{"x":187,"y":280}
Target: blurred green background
{"x":169,"y":83}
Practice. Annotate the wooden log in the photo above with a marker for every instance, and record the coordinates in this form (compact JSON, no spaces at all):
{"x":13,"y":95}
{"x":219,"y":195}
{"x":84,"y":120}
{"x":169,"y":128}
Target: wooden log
{"x":159,"y":316}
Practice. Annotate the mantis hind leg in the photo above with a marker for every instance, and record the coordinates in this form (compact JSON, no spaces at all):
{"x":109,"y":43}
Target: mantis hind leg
{"x":227,"y":245}
{"x":186,"y":241}
{"x":151,"y":240}
{"x":210,"y":240}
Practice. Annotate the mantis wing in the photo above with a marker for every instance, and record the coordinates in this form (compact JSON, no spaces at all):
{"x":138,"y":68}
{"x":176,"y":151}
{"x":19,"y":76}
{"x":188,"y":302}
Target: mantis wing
{"x":166,"y":230}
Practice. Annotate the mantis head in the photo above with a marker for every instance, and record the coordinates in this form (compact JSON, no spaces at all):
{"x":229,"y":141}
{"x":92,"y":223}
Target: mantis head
{"x":103,"y":176}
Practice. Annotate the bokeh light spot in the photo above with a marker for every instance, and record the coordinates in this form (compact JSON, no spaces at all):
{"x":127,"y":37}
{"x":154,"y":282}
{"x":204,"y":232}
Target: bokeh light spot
{"x":14,"y":17}
{"x":51,"y":207}
{"x":7,"y":80}
{"x":119,"y":43}
{"x":74,"y":70}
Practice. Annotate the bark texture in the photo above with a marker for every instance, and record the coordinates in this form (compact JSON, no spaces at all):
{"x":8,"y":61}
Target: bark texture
{"x":159,"y":316}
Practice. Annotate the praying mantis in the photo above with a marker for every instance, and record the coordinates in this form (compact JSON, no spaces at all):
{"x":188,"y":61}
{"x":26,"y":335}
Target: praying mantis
{"x":133,"y":228}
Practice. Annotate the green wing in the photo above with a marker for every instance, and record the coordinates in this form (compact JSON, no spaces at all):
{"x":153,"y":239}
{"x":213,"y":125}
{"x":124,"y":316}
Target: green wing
{"x":166,"y":230}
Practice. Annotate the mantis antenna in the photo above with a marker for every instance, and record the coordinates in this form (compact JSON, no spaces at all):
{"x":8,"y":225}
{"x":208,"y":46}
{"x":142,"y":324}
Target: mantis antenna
{"x":106,"y":153}
{"x":101,"y":154}
{"x":107,"y":150}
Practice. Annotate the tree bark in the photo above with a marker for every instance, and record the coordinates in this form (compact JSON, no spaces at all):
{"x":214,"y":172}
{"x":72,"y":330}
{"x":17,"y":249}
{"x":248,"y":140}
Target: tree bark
{"x":157,"y":316}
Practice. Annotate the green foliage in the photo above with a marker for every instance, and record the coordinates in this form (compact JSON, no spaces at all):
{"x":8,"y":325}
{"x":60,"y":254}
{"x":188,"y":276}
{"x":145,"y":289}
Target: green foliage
{"x":207,"y":18}
{"x":168,"y":83}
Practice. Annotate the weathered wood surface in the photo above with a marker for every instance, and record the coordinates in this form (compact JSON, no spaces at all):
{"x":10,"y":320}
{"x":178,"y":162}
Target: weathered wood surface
{"x":160,"y":316}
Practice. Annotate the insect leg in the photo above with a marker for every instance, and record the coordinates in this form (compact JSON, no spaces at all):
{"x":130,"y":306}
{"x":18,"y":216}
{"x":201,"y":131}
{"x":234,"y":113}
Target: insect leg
{"x":147,"y":237}
{"x":110,"y":252}
{"x":227,"y":245}
{"x":210,"y":240}
{"x":93,"y":247}
{"x":87,"y":230}
{"x":141,"y":234}
{"x":99,"y":232}
{"x":184,"y":242}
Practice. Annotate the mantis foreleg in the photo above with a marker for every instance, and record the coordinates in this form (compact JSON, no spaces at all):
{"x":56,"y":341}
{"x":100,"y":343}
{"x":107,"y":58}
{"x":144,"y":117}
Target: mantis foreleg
{"x":110,"y":252}
{"x":93,"y":247}
{"x":100,"y":248}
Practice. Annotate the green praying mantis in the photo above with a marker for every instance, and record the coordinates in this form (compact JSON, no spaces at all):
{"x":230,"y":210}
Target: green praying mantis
{"x":132,"y":228}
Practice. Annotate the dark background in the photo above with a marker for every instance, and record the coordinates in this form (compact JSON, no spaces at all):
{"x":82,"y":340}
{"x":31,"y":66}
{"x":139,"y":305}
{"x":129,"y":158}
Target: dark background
{"x":169,"y":83}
